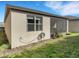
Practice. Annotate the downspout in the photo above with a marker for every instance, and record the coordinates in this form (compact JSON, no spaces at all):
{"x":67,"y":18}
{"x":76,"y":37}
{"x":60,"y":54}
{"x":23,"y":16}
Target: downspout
{"x":67,"y":30}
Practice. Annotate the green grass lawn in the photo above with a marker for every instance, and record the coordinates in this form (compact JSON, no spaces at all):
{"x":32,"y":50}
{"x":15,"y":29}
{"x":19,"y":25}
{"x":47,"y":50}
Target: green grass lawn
{"x":67,"y":46}
{"x":3,"y":45}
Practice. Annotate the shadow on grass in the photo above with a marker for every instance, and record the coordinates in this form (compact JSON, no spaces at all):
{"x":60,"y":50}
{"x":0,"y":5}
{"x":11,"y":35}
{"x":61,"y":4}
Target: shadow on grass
{"x":1,"y":39}
{"x":3,"y":43}
{"x":68,"y":48}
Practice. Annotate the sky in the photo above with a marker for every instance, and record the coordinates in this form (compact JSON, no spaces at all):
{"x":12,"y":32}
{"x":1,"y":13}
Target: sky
{"x":62,"y":8}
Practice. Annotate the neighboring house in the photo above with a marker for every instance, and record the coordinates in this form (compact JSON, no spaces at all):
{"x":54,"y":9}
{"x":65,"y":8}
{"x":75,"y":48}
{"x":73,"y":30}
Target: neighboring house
{"x":24,"y":26}
{"x":1,"y":26}
{"x":73,"y":23}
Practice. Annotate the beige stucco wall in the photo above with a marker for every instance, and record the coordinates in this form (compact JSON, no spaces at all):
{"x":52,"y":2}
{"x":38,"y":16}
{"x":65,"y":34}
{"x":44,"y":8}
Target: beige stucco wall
{"x":7,"y":25}
{"x":20,"y":35}
{"x":74,"y":26}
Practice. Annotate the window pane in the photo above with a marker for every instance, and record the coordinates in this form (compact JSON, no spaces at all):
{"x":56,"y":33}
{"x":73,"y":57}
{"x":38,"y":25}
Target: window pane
{"x":38,"y":18}
{"x":30,"y":27}
{"x":30,"y":17}
{"x":30,"y":20}
{"x":41,"y":27}
{"x":38,"y":27}
{"x":41,"y":20}
{"x":37,"y":21}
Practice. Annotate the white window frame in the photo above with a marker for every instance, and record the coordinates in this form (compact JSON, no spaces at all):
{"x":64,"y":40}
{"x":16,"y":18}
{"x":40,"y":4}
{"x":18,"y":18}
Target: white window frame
{"x":39,"y":23}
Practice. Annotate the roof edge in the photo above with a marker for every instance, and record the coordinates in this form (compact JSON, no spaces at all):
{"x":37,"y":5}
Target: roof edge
{"x":9,"y":7}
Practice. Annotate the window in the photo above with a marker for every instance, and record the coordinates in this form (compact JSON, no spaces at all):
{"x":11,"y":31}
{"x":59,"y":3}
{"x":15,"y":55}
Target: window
{"x":30,"y":23}
{"x":30,"y":27}
{"x":38,"y":23}
{"x":30,"y":19}
{"x":34,"y":23}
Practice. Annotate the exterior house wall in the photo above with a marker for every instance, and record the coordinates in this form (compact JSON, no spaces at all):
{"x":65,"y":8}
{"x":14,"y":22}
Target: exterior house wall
{"x":20,"y":35}
{"x":74,"y":26}
{"x":7,"y":26}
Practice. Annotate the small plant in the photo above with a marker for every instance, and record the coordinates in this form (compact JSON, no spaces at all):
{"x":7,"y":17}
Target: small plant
{"x":67,"y":33}
{"x":56,"y":35}
{"x":3,"y":47}
{"x":60,"y":35}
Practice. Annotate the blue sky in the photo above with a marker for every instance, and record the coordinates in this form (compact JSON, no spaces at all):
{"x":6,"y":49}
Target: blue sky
{"x":63,"y":8}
